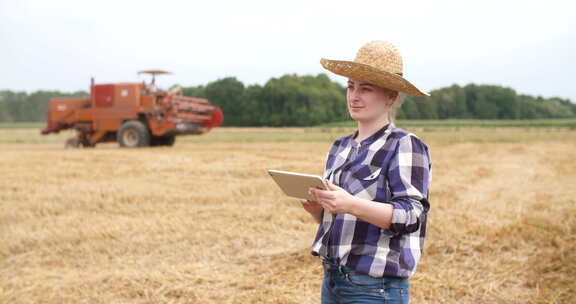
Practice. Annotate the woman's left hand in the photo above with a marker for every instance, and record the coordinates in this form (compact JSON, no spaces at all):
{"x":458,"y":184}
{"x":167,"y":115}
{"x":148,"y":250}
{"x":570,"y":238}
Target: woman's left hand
{"x":335,"y":199}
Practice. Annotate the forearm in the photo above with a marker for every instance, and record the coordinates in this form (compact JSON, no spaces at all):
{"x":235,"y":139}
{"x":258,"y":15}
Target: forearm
{"x":375,"y":213}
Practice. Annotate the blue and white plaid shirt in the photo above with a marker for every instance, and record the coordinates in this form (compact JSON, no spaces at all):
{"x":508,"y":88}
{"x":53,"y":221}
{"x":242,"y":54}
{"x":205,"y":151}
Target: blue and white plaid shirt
{"x":391,"y":166}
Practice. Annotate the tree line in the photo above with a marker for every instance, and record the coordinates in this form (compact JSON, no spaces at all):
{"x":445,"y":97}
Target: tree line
{"x":24,"y":107}
{"x":293,"y":100}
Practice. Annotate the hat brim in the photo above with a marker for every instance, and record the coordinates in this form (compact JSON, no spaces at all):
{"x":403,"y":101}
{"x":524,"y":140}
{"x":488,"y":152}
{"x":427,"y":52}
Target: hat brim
{"x":370,"y":74}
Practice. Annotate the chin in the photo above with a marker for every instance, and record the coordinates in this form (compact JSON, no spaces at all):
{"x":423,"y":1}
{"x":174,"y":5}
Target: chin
{"x":358,"y":117}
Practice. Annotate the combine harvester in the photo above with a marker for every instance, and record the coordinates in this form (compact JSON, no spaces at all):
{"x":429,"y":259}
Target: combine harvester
{"x":134,"y":114}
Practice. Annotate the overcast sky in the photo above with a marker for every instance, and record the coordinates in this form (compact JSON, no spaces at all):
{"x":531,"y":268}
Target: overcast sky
{"x":59,"y":44}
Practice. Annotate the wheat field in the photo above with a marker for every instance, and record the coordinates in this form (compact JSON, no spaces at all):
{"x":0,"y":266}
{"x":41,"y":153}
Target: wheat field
{"x":201,"y":222}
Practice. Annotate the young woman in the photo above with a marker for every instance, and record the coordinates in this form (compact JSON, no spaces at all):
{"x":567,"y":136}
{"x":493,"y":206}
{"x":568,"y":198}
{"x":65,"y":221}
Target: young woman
{"x":373,"y":216}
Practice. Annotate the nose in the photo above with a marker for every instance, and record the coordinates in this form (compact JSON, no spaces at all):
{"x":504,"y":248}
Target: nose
{"x":353,"y":95}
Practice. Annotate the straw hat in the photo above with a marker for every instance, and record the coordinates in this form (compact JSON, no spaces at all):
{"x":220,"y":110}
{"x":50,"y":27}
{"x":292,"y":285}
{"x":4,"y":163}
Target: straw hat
{"x":378,"y":63}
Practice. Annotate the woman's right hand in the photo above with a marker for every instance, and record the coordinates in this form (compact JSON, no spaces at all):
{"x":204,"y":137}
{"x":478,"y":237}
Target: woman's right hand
{"x":314,"y":208}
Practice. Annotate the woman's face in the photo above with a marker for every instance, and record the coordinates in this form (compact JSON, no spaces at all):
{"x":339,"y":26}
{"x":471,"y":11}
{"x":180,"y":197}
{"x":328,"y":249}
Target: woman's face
{"x":367,"y":102}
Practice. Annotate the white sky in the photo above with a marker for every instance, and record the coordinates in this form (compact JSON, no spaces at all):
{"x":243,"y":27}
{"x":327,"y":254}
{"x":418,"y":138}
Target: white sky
{"x":59,"y":44}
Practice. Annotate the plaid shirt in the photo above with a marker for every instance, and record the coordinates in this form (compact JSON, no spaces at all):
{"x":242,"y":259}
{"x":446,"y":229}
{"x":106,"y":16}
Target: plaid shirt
{"x":391,"y":166}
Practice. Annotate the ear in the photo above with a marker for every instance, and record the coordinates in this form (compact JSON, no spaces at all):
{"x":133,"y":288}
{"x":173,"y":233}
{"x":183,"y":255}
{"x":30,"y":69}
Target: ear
{"x":392,"y":97}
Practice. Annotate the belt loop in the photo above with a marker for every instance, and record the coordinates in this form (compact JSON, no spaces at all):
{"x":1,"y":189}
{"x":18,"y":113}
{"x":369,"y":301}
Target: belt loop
{"x":341,"y":270}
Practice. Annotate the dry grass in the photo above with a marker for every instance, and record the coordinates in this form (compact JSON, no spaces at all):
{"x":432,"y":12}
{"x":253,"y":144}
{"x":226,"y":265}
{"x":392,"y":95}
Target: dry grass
{"x":202,"y":223}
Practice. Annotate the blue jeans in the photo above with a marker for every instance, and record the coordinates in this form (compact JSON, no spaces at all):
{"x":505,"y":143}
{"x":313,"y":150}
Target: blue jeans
{"x":344,"y":285}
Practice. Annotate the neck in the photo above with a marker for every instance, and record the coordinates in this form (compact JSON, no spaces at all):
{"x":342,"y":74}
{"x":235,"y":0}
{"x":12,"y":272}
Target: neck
{"x":368,"y":128}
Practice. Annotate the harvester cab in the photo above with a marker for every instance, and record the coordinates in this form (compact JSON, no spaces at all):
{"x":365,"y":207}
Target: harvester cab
{"x":152,"y":87}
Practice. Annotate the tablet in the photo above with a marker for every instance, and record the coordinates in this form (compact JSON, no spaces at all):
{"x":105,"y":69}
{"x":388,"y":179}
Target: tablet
{"x":297,"y":184}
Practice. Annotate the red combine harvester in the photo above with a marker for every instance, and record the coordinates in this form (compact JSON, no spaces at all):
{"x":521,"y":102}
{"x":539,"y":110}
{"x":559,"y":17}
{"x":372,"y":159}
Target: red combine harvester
{"x":134,"y":114}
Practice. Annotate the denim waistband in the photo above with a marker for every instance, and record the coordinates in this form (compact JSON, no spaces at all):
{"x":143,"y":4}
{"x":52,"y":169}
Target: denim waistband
{"x":333,"y":267}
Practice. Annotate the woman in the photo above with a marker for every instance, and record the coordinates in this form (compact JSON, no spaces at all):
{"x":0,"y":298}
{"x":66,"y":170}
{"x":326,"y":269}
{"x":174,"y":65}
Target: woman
{"x":373,"y":215}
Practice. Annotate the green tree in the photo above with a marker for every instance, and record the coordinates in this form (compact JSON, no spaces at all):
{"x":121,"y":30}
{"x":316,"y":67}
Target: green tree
{"x":253,"y":112}
{"x":410,"y":108}
{"x":227,"y":94}
{"x":293,"y":100}
{"x":197,"y":91}
{"x":427,"y":107}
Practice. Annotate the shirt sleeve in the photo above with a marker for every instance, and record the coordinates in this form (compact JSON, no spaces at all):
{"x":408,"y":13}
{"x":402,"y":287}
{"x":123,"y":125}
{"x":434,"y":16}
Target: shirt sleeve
{"x":409,"y":178}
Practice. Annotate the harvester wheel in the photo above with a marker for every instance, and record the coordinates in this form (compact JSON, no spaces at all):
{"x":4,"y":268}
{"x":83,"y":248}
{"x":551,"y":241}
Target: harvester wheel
{"x":133,"y":133}
{"x":72,"y":143}
{"x":88,"y":144}
{"x":163,"y":140}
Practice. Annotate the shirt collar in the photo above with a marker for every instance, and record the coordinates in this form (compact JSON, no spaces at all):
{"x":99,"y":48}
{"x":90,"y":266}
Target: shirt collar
{"x":372,"y":138}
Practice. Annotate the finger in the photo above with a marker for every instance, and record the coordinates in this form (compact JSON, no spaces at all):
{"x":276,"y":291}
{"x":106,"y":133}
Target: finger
{"x":311,"y":193}
{"x":316,"y":191}
{"x":324,"y":205}
{"x":315,"y":194}
{"x":324,"y":195}
{"x":327,"y":203}
{"x":332,"y":187}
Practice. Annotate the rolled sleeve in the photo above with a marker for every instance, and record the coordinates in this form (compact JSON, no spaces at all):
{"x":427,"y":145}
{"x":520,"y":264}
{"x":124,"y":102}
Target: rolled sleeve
{"x":409,"y":179}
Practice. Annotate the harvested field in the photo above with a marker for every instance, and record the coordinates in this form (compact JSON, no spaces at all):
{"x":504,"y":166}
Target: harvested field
{"x":201,"y":222}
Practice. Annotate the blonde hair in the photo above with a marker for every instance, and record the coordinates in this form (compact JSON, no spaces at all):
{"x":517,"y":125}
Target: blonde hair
{"x":395,"y":106}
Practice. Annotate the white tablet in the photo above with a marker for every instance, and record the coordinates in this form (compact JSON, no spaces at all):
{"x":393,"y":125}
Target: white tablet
{"x":297,"y":184}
